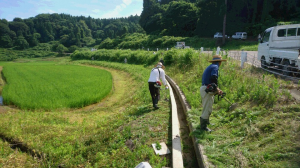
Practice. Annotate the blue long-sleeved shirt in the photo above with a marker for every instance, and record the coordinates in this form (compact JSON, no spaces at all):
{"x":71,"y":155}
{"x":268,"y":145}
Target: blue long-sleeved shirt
{"x":210,"y":71}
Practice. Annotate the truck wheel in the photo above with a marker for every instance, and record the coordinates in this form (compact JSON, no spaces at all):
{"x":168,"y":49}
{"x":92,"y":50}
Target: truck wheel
{"x":263,"y":62}
{"x":286,"y":68}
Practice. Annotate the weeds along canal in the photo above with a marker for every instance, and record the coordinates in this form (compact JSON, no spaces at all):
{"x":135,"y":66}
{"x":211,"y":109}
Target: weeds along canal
{"x":188,"y":152}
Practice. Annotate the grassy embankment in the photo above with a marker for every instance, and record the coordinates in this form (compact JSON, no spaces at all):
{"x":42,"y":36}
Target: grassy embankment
{"x":261,"y":132}
{"x":117,"y":132}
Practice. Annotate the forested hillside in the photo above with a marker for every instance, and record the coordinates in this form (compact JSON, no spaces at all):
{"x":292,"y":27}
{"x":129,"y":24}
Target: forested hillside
{"x":205,"y":17}
{"x":68,"y":30}
{"x":164,"y":21}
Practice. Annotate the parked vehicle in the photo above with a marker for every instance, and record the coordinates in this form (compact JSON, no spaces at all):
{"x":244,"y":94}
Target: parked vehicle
{"x":219,"y":35}
{"x":181,"y":45}
{"x":280,"y":46}
{"x":240,"y":35}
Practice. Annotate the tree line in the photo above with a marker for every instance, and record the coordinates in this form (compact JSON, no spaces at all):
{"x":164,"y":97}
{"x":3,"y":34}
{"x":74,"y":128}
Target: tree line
{"x":70,"y":31}
{"x":161,"y":19}
{"x":205,"y":17}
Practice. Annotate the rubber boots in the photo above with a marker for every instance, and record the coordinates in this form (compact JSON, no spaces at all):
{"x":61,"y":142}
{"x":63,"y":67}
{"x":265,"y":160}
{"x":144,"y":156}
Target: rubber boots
{"x":203,"y":125}
{"x":155,"y":103}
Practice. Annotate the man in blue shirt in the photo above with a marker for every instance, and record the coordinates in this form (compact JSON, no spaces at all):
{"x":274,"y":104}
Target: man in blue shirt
{"x":208,"y":89}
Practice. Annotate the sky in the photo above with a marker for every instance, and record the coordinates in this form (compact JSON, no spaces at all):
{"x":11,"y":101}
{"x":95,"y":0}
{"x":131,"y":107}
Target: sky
{"x":10,"y":9}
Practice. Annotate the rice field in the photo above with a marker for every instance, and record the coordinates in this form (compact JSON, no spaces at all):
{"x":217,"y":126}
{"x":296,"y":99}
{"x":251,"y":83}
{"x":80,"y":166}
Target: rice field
{"x":50,"y":86}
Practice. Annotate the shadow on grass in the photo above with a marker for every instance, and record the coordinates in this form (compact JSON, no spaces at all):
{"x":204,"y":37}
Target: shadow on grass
{"x":142,"y":110}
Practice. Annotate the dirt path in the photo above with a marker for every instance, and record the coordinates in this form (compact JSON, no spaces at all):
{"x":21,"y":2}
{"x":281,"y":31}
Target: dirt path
{"x":120,"y":91}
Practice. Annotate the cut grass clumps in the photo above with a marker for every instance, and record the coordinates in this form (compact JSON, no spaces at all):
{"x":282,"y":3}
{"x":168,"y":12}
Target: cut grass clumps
{"x":48,"y":86}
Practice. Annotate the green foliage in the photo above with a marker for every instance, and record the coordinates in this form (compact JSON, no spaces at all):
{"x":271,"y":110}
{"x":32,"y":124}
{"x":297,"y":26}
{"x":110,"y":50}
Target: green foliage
{"x":6,"y":41}
{"x":72,"y":49}
{"x":61,"y":49}
{"x":133,"y":57}
{"x":204,"y":18}
{"x":37,"y":86}
{"x":143,"y":41}
{"x":157,"y":145}
{"x":41,"y":50}
{"x":21,"y":43}
{"x":69,"y":30}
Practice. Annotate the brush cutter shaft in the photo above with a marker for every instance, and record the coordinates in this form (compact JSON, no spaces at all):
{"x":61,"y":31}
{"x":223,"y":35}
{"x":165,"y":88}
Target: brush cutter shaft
{"x":228,"y":100}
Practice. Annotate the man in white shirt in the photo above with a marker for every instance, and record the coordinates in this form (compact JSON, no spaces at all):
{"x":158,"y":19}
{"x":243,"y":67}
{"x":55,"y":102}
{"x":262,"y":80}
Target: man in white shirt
{"x":156,"y":74}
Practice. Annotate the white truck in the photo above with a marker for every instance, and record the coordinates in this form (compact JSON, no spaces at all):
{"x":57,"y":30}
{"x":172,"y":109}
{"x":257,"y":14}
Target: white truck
{"x":240,"y":35}
{"x":280,"y":46}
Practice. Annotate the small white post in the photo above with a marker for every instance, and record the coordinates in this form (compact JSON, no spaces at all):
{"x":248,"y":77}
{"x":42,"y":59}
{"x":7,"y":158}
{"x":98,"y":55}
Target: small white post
{"x":167,"y":49}
{"x":243,"y":58}
{"x":218,"y":50}
{"x":148,"y":49}
{"x":201,"y":50}
{"x":156,"y":49}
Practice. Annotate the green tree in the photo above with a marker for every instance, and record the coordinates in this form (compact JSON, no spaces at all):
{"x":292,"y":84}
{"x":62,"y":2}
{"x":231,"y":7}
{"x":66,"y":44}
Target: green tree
{"x":21,"y":43}
{"x":87,"y":41}
{"x":6,"y":41}
{"x":61,"y":49}
{"x":19,"y":27}
{"x":4,"y":29}
{"x":180,"y":18}
{"x":72,"y":48}
{"x":33,"y":39}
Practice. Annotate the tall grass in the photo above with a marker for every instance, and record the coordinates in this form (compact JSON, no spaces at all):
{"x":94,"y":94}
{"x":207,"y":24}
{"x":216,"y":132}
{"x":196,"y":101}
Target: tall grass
{"x":48,"y":86}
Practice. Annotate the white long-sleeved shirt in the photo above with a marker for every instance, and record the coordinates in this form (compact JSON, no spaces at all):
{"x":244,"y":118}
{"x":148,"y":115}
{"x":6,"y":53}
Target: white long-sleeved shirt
{"x":155,"y":75}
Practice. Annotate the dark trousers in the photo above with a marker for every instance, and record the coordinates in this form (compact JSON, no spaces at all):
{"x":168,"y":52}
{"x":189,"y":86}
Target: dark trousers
{"x":155,"y":93}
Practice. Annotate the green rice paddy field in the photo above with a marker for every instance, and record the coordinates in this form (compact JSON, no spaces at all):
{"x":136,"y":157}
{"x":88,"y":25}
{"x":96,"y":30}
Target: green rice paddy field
{"x":48,"y":86}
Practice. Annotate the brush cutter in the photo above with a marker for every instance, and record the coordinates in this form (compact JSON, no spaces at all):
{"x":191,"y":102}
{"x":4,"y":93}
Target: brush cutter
{"x":232,"y":105}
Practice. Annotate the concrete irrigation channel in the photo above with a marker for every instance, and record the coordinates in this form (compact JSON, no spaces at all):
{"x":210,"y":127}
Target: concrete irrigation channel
{"x":181,"y":128}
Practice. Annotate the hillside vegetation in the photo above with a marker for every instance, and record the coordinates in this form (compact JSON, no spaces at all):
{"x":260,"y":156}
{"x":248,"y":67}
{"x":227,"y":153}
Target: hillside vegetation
{"x":67,"y":30}
{"x":205,"y":17}
{"x":161,"y":24}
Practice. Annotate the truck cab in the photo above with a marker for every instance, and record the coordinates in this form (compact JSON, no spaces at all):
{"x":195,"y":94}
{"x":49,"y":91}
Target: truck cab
{"x":279,"y":46}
